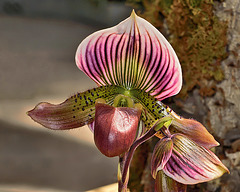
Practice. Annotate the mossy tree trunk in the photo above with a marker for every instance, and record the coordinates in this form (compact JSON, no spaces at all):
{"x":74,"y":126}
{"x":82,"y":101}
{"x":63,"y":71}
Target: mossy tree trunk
{"x":206,"y":37}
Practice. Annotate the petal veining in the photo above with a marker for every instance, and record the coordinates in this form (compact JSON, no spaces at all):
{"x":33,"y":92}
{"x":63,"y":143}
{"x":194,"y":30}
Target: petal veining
{"x":191,"y":163}
{"x":133,"y":54}
{"x":76,"y":111}
{"x":161,"y":154}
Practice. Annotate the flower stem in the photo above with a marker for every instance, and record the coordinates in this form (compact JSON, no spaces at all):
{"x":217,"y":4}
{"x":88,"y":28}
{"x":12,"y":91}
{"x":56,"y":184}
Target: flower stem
{"x":122,"y":184}
{"x":125,"y":160}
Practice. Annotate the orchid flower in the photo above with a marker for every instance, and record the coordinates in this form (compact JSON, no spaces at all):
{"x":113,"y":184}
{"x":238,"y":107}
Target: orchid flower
{"x":135,"y":68}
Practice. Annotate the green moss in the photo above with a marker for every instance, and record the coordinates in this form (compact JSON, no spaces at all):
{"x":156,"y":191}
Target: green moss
{"x":198,"y":37}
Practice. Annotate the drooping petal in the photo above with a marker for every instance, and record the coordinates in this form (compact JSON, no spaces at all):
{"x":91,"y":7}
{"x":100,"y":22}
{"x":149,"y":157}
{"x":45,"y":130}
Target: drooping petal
{"x":161,"y":154}
{"x":76,"y":111}
{"x":191,"y":163}
{"x":133,"y":54}
{"x":194,"y":130}
{"x":115,"y":128}
{"x":163,"y":183}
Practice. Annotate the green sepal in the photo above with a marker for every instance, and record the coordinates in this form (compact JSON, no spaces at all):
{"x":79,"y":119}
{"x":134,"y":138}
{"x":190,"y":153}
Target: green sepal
{"x":163,"y":122}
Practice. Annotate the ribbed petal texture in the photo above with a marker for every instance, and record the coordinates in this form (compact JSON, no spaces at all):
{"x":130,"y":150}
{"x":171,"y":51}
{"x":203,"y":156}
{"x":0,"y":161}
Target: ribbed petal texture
{"x":191,"y":163}
{"x":133,"y":54}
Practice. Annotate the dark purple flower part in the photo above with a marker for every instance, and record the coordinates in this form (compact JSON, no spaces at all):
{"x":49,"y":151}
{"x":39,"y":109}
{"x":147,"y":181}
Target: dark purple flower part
{"x":115,"y":128}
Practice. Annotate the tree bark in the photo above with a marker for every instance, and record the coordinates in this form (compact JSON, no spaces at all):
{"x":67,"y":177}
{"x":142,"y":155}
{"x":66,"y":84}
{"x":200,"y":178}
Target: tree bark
{"x":219,"y":112}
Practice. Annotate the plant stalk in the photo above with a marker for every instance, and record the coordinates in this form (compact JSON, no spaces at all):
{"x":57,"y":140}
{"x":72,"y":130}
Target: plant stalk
{"x":125,"y":160}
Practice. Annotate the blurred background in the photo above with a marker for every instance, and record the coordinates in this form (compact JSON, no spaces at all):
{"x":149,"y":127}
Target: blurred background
{"x":38,"y":40}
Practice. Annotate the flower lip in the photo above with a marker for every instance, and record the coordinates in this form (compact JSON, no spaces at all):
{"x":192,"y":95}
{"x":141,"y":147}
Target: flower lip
{"x":115,"y":128}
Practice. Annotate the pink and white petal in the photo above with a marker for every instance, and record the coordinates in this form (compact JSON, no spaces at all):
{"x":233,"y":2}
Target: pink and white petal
{"x":161,"y":155}
{"x":191,"y":163}
{"x":133,"y":54}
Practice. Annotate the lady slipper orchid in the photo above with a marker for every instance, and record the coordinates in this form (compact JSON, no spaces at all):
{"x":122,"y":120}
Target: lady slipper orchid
{"x":135,"y":68}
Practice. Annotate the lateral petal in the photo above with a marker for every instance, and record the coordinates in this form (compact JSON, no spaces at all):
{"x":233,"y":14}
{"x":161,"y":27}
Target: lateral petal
{"x":133,"y":54}
{"x":76,"y":111}
{"x":161,"y":155}
{"x":191,"y":163}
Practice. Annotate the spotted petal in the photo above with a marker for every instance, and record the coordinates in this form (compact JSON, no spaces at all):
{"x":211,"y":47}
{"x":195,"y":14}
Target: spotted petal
{"x":76,"y":111}
{"x":191,"y":163}
{"x":133,"y":54}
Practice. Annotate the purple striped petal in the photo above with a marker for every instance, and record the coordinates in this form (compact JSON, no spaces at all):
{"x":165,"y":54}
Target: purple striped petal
{"x":191,"y":163}
{"x":133,"y":54}
{"x":161,"y":155}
